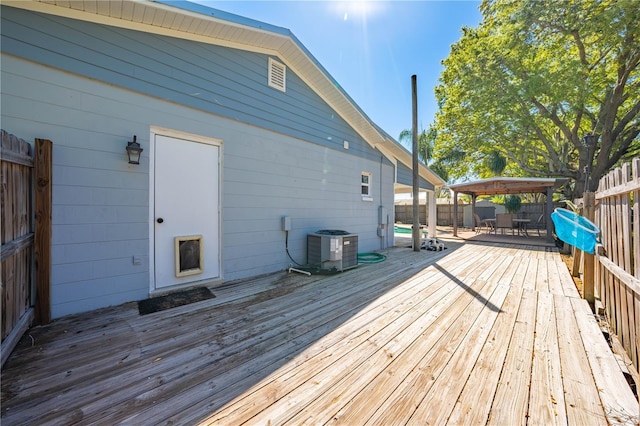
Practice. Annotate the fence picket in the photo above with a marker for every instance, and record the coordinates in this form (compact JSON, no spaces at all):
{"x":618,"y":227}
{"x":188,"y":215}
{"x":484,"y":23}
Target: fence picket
{"x":617,"y":271}
{"x":16,"y":234}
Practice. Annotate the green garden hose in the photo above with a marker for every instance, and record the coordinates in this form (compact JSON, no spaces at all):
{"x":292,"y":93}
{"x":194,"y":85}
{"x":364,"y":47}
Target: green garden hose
{"x":368,"y":258}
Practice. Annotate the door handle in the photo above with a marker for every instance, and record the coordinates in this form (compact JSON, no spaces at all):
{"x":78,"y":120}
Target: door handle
{"x":159,"y":220}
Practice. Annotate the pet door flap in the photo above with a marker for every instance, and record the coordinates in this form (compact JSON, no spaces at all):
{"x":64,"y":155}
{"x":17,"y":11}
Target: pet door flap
{"x":189,"y":254}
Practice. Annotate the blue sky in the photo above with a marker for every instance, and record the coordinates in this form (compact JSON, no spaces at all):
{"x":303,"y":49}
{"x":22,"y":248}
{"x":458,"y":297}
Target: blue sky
{"x":372,"y":48}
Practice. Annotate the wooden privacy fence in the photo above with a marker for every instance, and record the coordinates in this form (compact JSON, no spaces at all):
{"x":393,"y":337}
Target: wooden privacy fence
{"x":404,"y":213}
{"x":25,"y":198}
{"x":616,"y":276}
{"x":444,"y":212}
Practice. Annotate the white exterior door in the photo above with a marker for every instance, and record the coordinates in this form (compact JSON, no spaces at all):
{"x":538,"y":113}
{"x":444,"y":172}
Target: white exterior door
{"x":186,"y":211}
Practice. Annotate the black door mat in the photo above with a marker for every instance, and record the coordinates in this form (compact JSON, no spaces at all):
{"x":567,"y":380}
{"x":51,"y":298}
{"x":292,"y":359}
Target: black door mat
{"x":173,"y":300}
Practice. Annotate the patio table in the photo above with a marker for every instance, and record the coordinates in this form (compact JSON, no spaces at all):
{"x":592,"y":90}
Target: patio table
{"x":522,"y":226}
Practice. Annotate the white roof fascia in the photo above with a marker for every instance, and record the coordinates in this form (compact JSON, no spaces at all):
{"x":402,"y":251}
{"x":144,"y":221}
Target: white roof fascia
{"x":504,"y":179}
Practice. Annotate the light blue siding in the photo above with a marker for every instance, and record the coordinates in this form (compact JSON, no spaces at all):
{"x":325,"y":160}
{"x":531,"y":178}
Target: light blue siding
{"x":101,"y":203}
{"x":223,"y":81}
{"x":89,"y":88}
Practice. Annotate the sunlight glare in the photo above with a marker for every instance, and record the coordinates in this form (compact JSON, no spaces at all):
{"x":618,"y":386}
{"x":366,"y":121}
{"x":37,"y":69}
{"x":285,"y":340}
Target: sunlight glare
{"x":356,"y":9}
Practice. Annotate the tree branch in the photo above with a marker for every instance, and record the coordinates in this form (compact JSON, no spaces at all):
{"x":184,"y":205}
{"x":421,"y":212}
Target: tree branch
{"x":622,"y":149}
{"x":536,"y":172}
{"x":626,"y":119}
{"x":581,"y":50}
{"x":555,"y":119}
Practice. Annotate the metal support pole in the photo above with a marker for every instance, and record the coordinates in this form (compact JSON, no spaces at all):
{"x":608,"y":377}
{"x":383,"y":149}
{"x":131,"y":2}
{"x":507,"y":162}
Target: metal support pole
{"x":547,"y":214}
{"x":433,"y":214}
{"x":416,"y":182}
{"x":473,"y":212}
{"x":455,"y":214}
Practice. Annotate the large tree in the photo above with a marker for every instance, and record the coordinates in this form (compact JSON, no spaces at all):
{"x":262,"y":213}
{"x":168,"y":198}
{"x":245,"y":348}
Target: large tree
{"x":534,"y":79}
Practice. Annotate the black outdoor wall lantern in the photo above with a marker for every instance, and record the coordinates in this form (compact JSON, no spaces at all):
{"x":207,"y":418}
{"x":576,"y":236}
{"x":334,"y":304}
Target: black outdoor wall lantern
{"x":134,"y":151}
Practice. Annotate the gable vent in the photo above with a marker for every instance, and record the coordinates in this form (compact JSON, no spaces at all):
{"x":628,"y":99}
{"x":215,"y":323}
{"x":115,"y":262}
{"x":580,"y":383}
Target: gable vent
{"x":277,"y":75}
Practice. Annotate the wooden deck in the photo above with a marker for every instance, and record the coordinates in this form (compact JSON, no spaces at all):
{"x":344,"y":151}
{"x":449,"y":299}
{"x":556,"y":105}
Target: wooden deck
{"x":480,"y":333}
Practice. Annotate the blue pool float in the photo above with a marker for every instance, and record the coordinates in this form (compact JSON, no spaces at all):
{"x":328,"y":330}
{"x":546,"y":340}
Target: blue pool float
{"x":575,"y":230}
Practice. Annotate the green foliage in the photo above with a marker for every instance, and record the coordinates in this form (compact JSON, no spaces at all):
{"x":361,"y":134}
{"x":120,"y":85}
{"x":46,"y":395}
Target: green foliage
{"x":495,"y":162}
{"x":426,"y":141}
{"x":532,"y":80}
{"x":441,"y":170}
{"x":512,"y":203}
{"x":571,"y":206}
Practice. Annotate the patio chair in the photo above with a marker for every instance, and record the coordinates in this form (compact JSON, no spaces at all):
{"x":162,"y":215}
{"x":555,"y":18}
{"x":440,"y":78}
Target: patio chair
{"x":504,"y":221}
{"x":480,"y":223}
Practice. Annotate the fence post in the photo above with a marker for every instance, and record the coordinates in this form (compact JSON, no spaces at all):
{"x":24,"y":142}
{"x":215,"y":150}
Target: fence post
{"x":577,"y":260}
{"x":455,"y":214}
{"x":42,"y":235}
{"x":589,"y":260}
{"x":547,"y":213}
{"x":577,"y":253}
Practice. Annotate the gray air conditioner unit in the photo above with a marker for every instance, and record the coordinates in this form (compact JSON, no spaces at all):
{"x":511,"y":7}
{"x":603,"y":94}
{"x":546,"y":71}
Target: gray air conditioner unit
{"x":332,"y":249}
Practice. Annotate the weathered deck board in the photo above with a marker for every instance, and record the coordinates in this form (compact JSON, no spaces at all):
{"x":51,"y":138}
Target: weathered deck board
{"x":547,"y":394}
{"x":475,"y":401}
{"x":477,"y":334}
{"x":581,"y":394}
{"x":608,"y":387}
{"x":420,"y":381}
{"x":511,"y":399}
{"x":385,"y":328}
{"x":307,"y":328}
{"x":327,"y":353}
{"x":445,"y":391}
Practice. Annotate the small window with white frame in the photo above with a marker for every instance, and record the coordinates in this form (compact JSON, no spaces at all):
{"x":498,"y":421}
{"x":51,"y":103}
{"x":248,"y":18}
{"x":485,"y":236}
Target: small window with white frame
{"x":365,"y":186}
